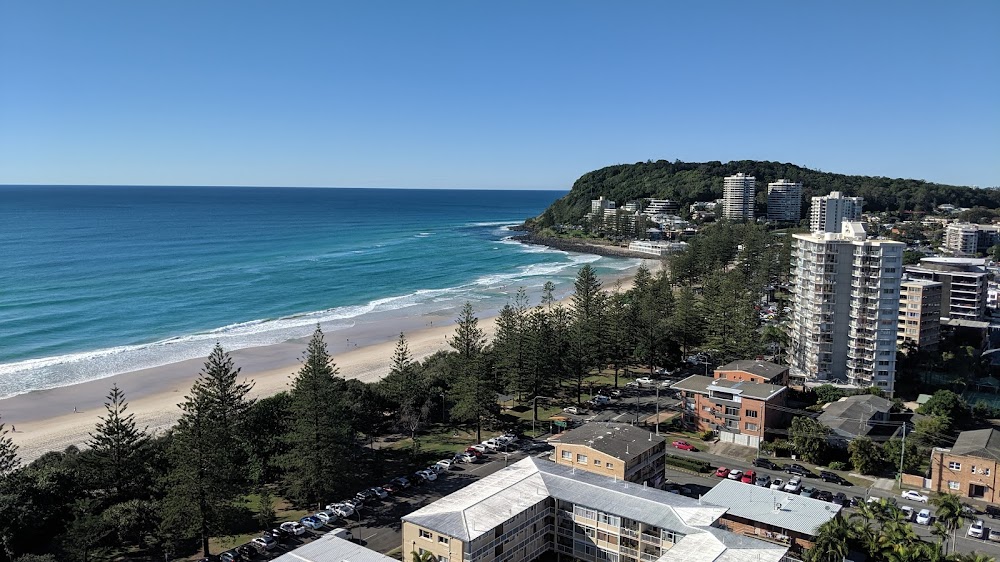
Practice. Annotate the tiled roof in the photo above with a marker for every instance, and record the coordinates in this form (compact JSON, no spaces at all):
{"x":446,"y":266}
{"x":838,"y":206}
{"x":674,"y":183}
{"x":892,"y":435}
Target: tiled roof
{"x":982,"y":443}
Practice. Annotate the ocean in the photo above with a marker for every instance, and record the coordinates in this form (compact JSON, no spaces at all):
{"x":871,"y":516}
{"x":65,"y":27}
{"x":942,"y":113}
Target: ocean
{"x":96,"y":281}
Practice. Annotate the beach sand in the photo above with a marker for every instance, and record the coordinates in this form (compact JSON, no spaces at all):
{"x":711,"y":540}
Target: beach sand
{"x":53,"y":419}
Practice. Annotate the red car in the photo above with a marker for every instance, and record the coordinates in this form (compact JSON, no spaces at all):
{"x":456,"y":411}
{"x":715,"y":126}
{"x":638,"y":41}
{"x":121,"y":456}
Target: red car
{"x":684,"y":445}
{"x":472,"y":451}
{"x":722,"y":472}
{"x":749,"y":477}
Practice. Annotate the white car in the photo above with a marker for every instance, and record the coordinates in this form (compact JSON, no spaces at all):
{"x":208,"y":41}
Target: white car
{"x":479,"y":447}
{"x":379,"y":492}
{"x":776,"y":484}
{"x":924,"y":517}
{"x":467,"y":458}
{"x":793,"y":486}
{"x":913,"y":495}
{"x":429,"y":475}
{"x":341,"y":509}
{"x":293,"y":528}
{"x":263,"y":545}
{"x":907,"y":512}
{"x":445,"y":464}
{"x":571,"y":410}
{"x":644,"y":380}
{"x":735,"y":474}
{"x":327,"y":517}
{"x":976,"y":530}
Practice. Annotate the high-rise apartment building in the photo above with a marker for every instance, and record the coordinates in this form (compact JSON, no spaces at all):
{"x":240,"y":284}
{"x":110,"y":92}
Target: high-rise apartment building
{"x":965,"y":239}
{"x":738,"y":193}
{"x":784,"y":201}
{"x":964,"y":285}
{"x":845,"y":307}
{"x":919,"y":313}
{"x":829,"y":212}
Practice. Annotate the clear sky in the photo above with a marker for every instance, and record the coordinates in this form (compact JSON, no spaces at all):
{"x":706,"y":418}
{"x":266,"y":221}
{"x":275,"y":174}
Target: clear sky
{"x":491,"y":94}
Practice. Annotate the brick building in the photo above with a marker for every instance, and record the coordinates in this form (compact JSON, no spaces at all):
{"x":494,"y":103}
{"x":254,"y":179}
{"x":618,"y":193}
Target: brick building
{"x":754,"y":371}
{"x":619,"y":450}
{"x":736,"y":409}
{"x":969,"y":468}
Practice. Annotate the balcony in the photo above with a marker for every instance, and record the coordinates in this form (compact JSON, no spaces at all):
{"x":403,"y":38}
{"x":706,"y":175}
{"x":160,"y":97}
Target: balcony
{"x":629,"y":551}
{"x":650,"y":539}
{"x":629,"y":533}
{"x":647,"y":557}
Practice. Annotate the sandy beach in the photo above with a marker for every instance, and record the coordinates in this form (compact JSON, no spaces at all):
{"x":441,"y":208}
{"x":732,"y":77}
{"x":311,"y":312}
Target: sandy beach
{"x":53,"y":419}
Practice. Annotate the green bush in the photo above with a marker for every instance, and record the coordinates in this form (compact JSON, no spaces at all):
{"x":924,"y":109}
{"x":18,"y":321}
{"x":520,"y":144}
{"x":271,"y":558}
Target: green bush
{"x":687,"y":464}
{"x":838,"y":465}
{"x":708,"y":435}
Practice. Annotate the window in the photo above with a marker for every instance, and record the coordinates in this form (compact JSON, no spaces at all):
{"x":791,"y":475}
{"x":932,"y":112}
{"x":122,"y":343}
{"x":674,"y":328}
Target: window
{"x":955,"y":465}
{"x":888,"y":291}
{"x":609,"y":465}
{"x":751,"y":427}
{"x":584,"y":512}
{"x":751,"y":413}
{"x":597,"y":462}
{"x":567,"y":455}
{"x":973,"y":467}
{"x":581,"y":458}
{"x":425,"y":534}
{"x":442,"y":540}
{"x":732,"y":411}
{"x":952,"y":485}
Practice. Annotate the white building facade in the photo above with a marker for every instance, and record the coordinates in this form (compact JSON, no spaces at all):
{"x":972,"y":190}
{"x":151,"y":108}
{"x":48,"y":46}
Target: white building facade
{"x":739,"y":192}
{"x":784,"y":201}
{"x":845,"y":307}
{"x":828,"y":212}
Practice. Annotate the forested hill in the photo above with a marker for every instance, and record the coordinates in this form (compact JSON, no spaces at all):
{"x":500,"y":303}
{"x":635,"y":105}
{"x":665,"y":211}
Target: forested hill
{"x":687,"y":182}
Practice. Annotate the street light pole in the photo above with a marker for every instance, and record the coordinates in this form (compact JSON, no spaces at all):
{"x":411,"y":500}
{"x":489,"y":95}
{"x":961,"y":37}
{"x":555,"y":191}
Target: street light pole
{"x":657,"y":410}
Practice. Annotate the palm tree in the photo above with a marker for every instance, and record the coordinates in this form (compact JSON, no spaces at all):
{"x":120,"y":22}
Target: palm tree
{"x":974,"y":557}
{"x":831,"y":541}
{"x":948,"y":512}
{"x":424,"y":556}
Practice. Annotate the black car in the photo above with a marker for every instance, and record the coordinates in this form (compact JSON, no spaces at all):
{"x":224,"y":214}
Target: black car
{"x":765,"y":463}
{"x":857,"y":500}
{"x":840,"y":498}
{"x":231,"y":556}
{"x":798,"y":469}
{"x":993,"y":511}
{"x":278,"y":534}
{"x":823,"y":495}
{"x":828,"y":476}
{"x":400,"y":481}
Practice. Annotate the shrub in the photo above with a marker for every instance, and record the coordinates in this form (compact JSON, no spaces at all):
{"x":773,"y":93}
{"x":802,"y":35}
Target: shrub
{"x":688,"y":464}
{"x":838,"y":465}
{"x":708,"y":435}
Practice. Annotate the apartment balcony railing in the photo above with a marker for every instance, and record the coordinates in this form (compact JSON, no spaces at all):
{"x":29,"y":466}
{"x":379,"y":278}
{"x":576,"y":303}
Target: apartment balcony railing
{"x":650,"y":539}
{"x":629,"y":551}
{"x":646,"y":557}
{"x":629,"y":533}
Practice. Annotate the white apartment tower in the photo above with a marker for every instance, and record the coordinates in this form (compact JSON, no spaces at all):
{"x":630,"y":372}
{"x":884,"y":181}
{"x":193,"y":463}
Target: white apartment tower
{"x":784,"y":201}
{"x":828,"y":212}
{"x":738,"y":194}
{"x":845,"y":307}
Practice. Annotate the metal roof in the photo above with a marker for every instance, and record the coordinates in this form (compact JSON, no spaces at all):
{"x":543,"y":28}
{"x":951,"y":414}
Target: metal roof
{"x":479,"y":507}
{"x":702,"y":384}
{"x":332,"y":549}
{"x":773,"y":507}
{"x":620,"y":440}
{"x":764,"y":369}
{"x":850,"y":416}
{"x":982,"y":443}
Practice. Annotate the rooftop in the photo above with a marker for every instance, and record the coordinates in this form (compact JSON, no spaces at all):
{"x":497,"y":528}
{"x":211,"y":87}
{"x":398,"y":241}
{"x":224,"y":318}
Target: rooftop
{"x":849,"y":416}
{"x":329,"y":548}
{"x":980,"y":262}
{"x":701,"y":383}
{"x":479,"y":507}
{"x":982,"y":443}
{"x":773,"y":507}
{"x":764,"y":369}
{"x":620,"y":440}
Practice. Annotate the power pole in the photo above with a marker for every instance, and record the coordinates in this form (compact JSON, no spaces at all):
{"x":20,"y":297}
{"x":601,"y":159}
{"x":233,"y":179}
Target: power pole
{"x":902,"y":454}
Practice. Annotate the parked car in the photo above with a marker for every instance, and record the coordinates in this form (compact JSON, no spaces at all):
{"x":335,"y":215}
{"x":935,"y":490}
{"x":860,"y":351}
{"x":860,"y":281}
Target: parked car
{"x":684,"y":446}
{"x":823,"y":495}
{"x":748,"y":477}
{"x":278,"y":534}
{"x":643,"y":381}
{"x":445,"y":464}
{"x":231,"y":556}
{"x":765,"y":463}
{"x":777,"y":484}
{"x":994,"y":535}
{"x":366,"y":495}
{"x":807,"y":492}
{"x":391,"y":488}
{"x":616,"y":393}
{"x":341,"y":509}
{"x":327,"y":517}
{"x":478,"y":447}
{"x":311,"y":522}
{"x":828,"y":476}
{"x":294,"y":528}
{"x":354,"y":503}
{"x":907,"y":512}
{"x":380,"y":493}
{"x":267,"y":541}
{"x":993,"y":511}
{"x":840,"y":498}
{"x":735,"y":474}
{"x":722,"y":472}
{"x":975,"y":530}
{"x":924,"y":517}
{"x":248,"y":551}
{"x":763,"y":481}
{"x":793,"y":486}
{"x":428,"y":475}
{"x":798,"y":469}
{"x":856,"y":501}
{"x":571,"y":410}
{"x":914,"y":495}
{"x":600,"y":400}
{"x":632,"y":384}
{"x":401,"y":481}
{"x":468,"y":458}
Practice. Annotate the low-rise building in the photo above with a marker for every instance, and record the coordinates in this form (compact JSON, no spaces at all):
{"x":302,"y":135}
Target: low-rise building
{"x":658,"y":249}
{"x":861,"y":415}
{"x":737,"y":410}
{"x":535,"y":506}
{"x":751,"y":370}
{"x":969,"y":467}
{"x":329,"y":548}
{"x":618,"y":450}
{"x":772,"y":515}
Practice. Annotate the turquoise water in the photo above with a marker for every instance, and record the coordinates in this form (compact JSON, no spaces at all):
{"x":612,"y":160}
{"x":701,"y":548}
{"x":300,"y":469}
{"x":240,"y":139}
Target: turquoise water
{"x":96,"y":281}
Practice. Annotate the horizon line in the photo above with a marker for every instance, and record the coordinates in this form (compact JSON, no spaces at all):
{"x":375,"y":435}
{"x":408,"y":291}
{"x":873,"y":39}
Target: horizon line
{"x":223,"y":186}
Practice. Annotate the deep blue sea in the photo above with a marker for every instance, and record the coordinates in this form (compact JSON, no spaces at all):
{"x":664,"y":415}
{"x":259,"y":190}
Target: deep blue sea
{"x":96,"y":281}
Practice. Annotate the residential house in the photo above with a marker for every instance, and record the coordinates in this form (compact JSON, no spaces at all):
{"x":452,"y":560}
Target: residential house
{"x":969,"y":467}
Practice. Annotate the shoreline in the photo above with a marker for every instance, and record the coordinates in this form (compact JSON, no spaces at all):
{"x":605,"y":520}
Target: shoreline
{"x":581,"y":246}
{"x":56,"y":418}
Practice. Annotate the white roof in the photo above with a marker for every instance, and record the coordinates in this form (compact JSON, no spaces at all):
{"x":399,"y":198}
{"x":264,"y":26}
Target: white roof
{"x":332,"y":549}
{"x":773,"y":507}
{"x":479,"y":507}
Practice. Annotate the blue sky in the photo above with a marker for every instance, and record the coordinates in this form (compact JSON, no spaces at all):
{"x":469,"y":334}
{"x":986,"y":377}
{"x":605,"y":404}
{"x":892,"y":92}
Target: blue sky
{"x":513,"y":94}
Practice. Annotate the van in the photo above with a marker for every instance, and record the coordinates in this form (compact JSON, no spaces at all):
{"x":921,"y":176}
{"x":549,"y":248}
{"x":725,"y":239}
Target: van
{"x":342,"y":533}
